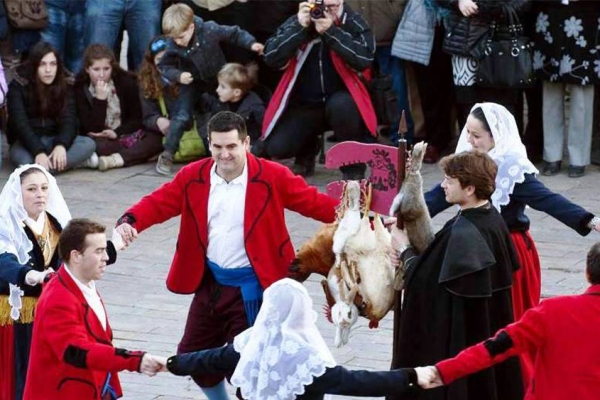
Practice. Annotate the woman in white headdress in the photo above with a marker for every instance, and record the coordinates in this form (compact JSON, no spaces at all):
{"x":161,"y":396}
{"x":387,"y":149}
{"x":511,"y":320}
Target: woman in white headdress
{"x":283,"y":356}
{"x":492,"y":128}
{"x":32,"y":215}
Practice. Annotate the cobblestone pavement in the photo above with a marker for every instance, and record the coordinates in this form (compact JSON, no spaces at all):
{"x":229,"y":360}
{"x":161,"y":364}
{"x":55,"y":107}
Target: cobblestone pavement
{"x":144,"y":315}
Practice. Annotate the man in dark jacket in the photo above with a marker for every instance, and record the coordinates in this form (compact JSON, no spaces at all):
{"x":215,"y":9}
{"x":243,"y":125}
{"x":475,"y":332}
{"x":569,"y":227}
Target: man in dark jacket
{"x":322,"y":49}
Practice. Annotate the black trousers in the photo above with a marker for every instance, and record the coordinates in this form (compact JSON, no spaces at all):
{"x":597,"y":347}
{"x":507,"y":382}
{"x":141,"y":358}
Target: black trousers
{"x":296,"y":133}
{"x":436,"y":90}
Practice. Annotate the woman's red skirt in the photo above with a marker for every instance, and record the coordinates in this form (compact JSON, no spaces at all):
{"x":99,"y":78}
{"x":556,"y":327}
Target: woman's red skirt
{"x":526,"y":289}
{"x":7,"y":363}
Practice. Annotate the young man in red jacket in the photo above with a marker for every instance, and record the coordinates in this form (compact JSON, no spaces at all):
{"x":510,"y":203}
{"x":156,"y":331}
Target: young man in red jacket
{"x":564,"y":332}
{"x":233,"y":242}
{"x":72,"y":356}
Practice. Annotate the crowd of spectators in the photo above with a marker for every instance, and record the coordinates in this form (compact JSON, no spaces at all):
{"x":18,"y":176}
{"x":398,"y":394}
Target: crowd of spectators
{"x":292,"y":73}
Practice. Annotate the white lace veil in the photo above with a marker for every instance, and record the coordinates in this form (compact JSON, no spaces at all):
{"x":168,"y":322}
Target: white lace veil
{"x":508,"y":152}
{"x":284,"y":350}
{"x":13,"y":238}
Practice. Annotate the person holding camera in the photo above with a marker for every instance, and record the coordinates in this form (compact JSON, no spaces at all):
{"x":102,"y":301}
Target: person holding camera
{"x":323,"y":50}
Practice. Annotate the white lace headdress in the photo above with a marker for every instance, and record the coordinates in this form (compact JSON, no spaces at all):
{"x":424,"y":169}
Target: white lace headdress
{"x":508,"y":152}
{"x":284,"y":350}
{"x":13,"y":238}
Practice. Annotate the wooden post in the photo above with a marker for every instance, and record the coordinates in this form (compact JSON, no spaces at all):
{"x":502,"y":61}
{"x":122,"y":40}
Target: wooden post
{"x":402,"y":129}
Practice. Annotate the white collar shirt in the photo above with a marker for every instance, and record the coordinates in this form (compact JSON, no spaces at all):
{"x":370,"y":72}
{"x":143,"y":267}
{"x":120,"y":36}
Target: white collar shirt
{"x":226,"y":206}
{"x":91,"y":296}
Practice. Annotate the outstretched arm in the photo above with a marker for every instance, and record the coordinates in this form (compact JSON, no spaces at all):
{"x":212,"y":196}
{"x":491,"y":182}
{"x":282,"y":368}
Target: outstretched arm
{"x":222,"y":359}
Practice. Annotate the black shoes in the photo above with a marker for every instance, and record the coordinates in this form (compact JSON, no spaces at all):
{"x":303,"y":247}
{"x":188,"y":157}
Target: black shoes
{"x":576,"y":171}
{"x":551,"y":168}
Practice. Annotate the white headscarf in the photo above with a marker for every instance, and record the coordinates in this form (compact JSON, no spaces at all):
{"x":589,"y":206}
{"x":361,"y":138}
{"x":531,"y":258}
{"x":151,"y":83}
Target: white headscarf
{"x":13,"y":238}
{"x":508,"y":152}
{"x":284,"y":350}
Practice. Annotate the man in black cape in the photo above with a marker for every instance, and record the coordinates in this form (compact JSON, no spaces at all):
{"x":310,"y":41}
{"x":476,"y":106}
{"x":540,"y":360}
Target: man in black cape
{"x":458,"y":292}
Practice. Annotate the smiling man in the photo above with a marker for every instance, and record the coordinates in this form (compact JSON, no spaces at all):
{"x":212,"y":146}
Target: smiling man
{"x":72,"y":356}
{"x":457,"y":293}
{"x":233,"y":242}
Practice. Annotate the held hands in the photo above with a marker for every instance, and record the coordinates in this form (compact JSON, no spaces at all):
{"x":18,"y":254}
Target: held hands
{"x":33,"y":278}
{"x":128,"y":233}
{"x":428,"y":377}
{"x":186,"y":78}
{"x":399,"y":238}
{"x":151,"y":365}
{"x":468,"y":7}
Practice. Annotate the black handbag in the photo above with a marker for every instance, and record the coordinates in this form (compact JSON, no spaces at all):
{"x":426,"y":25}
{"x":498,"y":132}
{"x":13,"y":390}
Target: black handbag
{"x":383,"y":97}
{"x":507,"y":62}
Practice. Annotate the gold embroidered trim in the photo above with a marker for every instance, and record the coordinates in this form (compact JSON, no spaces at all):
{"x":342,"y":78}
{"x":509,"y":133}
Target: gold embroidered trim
{"x":27,"y":311}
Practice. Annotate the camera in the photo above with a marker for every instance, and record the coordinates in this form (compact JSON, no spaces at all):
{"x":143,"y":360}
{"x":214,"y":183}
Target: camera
{"x":317,"y":9}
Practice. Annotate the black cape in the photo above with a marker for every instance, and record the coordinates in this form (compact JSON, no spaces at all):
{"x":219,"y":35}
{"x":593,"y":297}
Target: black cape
{"x":458,"y":293}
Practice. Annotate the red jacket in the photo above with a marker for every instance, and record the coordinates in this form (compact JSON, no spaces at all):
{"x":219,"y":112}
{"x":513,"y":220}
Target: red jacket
{"x":271,"y":189}
{"x":71,"y":354}
{"x":355,"y":86}
{"x":564,"y":331}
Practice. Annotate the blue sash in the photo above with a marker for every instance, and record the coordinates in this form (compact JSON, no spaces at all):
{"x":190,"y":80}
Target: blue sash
{"x":108,"y":393}
{"x":247,"y":281}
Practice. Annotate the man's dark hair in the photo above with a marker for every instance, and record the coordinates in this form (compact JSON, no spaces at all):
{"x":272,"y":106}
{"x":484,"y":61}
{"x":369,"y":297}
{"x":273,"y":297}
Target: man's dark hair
{"x":73,"y":237}
{"x":472,"y":168}
{"x":226,"y":121}
{"x":479,"y":115}
{"x":592,"y":266}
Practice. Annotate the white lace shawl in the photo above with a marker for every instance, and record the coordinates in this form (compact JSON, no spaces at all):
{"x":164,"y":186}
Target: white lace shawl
{"x":13,"y":238}
{"x":284,"y":351}
{"x":508,"y":152}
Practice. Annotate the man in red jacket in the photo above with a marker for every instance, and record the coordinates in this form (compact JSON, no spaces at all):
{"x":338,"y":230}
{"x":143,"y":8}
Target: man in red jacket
{"x":233,"y":242}
{"x":564,"y":332}
{"x":72,"y":356}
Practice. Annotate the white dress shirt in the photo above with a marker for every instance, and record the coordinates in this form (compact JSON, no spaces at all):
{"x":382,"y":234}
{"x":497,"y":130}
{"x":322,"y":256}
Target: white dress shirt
{"x":226,"y":206}
{"x":91,"y":296}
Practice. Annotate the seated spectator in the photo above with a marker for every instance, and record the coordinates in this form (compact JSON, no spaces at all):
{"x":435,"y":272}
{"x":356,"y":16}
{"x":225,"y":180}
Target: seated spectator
{"x":158,"y":100}
{"x":321,"y":88}
{"x":193,"y":58}
{"x":109,"y":110}
{"x":234,"y":94}
{"x":43,"y":118}
{"x":66,"y":21}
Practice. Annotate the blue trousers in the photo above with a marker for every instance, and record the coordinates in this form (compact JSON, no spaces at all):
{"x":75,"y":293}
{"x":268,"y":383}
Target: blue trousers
{"x":65,"y":33}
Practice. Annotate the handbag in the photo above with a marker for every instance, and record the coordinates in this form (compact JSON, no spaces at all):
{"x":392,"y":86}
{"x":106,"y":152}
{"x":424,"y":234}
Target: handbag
{"x":27,"y":14}
{"x":507,"y":62}
{"x":383,"y":97}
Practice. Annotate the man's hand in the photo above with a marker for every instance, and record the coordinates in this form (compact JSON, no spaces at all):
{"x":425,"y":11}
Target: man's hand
{"x":186,"y":78}
{"x":323,"y":24}
{"x":258,"y":48}
{"x":58,"y":158}
{"x":428,"y":377}
{"x":468,"y":7}
{"x":399,"y":238}
{"x":43,"y":160}
{"x":150,"y":365}
{"x":304,"y":14}
{"x":163,"y":362}
{"x":128,"y":233}
{"x":101,"y":90}
{"x":163,"y":125}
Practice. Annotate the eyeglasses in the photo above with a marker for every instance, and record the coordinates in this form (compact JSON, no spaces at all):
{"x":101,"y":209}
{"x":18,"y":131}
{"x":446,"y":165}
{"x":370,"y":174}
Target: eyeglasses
{"x":158,"y":45}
